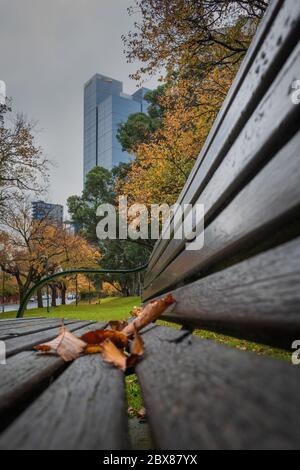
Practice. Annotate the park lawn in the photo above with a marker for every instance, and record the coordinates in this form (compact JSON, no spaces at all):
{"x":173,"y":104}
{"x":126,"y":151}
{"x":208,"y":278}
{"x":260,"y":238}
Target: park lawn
{"x":111,"y":308}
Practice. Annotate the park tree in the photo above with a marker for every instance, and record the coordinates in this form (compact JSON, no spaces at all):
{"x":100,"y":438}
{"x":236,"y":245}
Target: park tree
{"x":199,"y":45}
{"x":31,"y":249}
{"x":100,"y":188}
{"x":191,"y":36}
{"x":23,"y":167}
{"x":139,"y":127}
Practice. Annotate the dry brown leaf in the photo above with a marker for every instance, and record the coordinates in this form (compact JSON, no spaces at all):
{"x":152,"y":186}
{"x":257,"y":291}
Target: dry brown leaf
{"x":42,"y":348}
{"x":93,"y":349}
{"x":150,"y":313}
{"x":132,"y":361}
{"x":118,"y":325}
{"x":137,"y":347}
{"x":113,"y":355}
{"x":99,"y":336}
{"x":136,"y":311}
{"x":142,"y":413}
{"x":67,"y":345}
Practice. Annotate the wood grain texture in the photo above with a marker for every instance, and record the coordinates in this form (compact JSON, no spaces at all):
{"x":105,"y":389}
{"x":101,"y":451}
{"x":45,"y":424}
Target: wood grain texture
{"x":258,"y":299}
{"x":14,"y":331}
{"x":7,"y":321}
{"x":28,"y":372}
{"x":209,"y":396}
{"x":264,"y":62}
{"x":261,"y":208}
{"x":23,"y":343}
{"x":84,"y":409}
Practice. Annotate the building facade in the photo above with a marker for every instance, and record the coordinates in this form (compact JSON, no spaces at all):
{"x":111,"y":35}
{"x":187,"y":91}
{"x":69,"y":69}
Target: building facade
{"x":105,"y":107}
{"x":54,"y":212}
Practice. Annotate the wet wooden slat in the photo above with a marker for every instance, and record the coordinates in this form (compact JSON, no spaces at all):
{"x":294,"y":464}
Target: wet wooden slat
{"x":85,"y":408}
{"x":203,"y":395}
{"x":257,"y":299}
{"x":8,"y":321}
{"x":262,"y":208}
{"x":26,"y":373}
{"x":16,"y":345}
{"x":28,"y":328}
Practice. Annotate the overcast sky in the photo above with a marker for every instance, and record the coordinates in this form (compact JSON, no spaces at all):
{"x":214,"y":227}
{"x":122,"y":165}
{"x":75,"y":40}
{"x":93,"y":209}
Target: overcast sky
{"x":48,"y":50}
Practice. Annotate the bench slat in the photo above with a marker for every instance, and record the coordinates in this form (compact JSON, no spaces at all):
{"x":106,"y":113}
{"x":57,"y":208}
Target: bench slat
{"x":85,"y":408}
{"x":257,"y":211}
{"x":258,"y":299}
{"x":16,"y":345}
{"x":28,"y":328}
{"x":261,"y":66}
{"x":26,"y":373}
{"x":8,"y":321}
{"x":202,"y":395}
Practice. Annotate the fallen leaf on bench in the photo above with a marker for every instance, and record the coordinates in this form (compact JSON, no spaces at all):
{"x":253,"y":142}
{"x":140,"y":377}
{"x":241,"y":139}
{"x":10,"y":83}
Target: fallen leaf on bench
{"x":67,"y":345}
{"x":99,"y":336}
{"x":142,"y":415}
{"x":118,"y":325}
{"x":113,"y":355}
{"x":149,"y":314}
{"x":93,"y":349}
{"x":136,"y":311}
{"x":137,"y":346}
{"x":137,"y":350}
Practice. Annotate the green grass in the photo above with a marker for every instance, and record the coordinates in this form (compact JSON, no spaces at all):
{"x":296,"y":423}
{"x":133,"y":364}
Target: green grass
{"x":112,"y":308}
{"x":134,"y":396}
{"x":241,"y":344}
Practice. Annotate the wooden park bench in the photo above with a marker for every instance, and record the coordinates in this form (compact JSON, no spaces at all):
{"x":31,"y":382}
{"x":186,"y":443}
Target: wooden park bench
{"x":245,"y":282}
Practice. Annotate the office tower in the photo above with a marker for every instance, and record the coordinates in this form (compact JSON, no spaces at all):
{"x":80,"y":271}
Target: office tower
{"x":105,"y":107}
{"x":53,"y":212}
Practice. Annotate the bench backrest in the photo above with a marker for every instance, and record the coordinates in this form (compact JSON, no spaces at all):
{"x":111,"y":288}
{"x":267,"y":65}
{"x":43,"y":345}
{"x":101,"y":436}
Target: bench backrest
{"x":245,"y":281}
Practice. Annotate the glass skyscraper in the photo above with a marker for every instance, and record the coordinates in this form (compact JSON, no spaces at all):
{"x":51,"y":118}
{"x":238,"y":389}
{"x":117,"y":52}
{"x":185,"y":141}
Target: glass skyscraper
{"x":105,"y":107}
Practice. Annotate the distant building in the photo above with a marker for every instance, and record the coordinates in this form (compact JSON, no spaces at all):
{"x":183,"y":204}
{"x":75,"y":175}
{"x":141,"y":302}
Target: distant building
{"x":72,"y":227}
{"x":54,"y":212}
{"x":105,"y":107}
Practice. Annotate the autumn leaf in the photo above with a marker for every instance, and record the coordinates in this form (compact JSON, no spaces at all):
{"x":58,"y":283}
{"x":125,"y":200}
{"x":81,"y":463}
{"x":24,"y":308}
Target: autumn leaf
{"x":99,"y":336}
{"x":67,"y":345}
{"x":136,"y":311}
{"x":142,"y":415}
{"x":118,"y":325}
{"x":150,"y":313}
{"x":93,"y":349}
{"x":113,"y":355}
{"x":137,"y":346}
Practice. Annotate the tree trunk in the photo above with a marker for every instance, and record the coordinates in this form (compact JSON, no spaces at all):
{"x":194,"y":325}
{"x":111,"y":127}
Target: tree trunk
{"x":53,"y":295}
{"x":40,"y":299}
{"x":63,"y":293}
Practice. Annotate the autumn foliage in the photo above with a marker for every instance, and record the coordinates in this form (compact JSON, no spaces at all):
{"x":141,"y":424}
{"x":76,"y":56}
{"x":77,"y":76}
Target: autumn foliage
{"x":198,"y":46}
